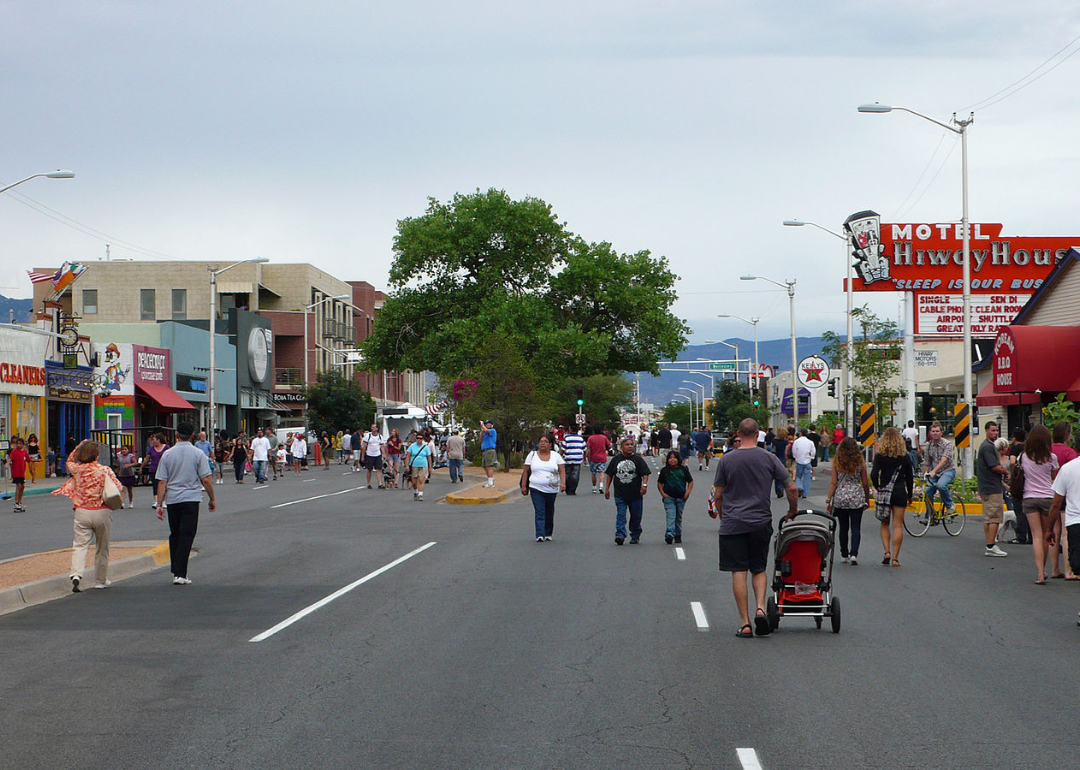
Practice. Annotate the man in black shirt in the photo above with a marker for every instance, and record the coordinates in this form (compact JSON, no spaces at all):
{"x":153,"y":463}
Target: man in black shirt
{"x":629,"y":474}
{"x":663,"y":440}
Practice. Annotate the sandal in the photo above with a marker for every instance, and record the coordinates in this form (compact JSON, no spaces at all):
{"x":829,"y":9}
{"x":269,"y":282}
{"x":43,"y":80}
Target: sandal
{"x":1060,"y":576}
{"x":761,"y":623}
{"x":746,"y":632}
{"x":885,"y":559}
{"x":1040,"y":582}
{"x":896,"y":562}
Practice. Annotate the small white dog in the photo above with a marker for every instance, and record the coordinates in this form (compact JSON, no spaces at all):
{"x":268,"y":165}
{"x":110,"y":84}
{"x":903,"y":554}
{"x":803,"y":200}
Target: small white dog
{"x":1008,"y":520}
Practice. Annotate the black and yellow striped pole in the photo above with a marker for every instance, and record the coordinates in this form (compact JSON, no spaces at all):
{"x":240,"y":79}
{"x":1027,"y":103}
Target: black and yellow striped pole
{"x":867,"y":424}
{"x":962,"y":425}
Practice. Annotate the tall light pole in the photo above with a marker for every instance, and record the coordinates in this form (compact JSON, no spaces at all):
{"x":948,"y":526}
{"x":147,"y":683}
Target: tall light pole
{"x":683,"y":395}
{"x":712,"y":383}
{"x":849,"y":374}
{"x":701,"y":403}
{"x":790,"y":286}
{"x":960,"y":128}
{"x":58,"y":174}
{"x":753,"y":322}
{"x":211,"y":380}
{"x":307,"y":311}
{"x":693,"y":396}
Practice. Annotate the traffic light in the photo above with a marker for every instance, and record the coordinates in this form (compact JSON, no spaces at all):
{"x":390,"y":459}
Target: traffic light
{"x":581,"y":402}
{"x":832,"y":388}
{"x":580,"y":397}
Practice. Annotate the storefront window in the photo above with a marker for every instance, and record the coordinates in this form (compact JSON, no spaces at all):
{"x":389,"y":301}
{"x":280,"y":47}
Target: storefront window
{"x":27,"y":412}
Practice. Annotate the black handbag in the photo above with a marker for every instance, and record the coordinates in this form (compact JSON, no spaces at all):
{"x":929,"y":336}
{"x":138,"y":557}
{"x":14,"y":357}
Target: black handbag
{"x":1016,"y":482}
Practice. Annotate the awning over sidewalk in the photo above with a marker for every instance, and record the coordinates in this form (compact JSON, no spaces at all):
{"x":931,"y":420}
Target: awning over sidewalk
{"x":167,"y":399}
{"x":990,"y":397}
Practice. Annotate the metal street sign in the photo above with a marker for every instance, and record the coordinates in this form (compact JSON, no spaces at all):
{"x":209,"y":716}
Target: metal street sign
{"x":580,"y":419}
{"x":723,"y":366}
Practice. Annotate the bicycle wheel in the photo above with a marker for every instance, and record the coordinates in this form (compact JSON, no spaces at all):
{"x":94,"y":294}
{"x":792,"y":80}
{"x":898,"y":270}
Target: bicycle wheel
{"x":916,"y":523}
{"x":954,"y":522}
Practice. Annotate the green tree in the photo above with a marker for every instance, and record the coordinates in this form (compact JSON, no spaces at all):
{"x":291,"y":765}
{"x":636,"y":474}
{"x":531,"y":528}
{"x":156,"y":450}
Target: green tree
{"x":336,"y":402}
{"x":603,"y":394}
{"x":506,"y":393}
{"x":677,"y":412}
{"x":734,"y":402}
{"x":484,"y":263}
{"x":1060,"y":409}
{"x":875,"y":360}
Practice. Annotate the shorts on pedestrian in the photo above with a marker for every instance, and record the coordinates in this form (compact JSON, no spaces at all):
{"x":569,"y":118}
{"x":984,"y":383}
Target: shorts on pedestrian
{"x":373,"y":463}
{"x":358,"y":456}
{"x":598,"y":467}
{"x":993,"y":509}
{"x":490,"y":458}
{"x":127,"y":481}
{"x":1039,"y":505}
{"x":746,"y":551}
{"x":18,"y":479}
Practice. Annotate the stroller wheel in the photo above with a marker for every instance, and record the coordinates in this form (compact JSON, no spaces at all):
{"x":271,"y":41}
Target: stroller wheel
{"x":772,"y":612}
{"x":834,"y":614}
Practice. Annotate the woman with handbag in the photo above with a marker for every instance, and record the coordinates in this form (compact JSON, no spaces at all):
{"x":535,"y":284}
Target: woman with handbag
{"x":849,"y":493}
{"x":893,"y":478}
{"x":1035,"y":470}
{"x":543,"y":478}
{"x":93,"y":517}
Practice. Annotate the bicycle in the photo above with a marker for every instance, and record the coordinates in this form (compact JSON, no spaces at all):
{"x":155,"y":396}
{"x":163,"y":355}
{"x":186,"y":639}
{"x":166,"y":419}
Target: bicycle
{"x":918,"y":523}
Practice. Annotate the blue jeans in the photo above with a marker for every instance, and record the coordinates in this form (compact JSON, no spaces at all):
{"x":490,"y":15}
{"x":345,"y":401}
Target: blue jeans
{"x":941,"y":484}
{"x":620,"y":517}
{"x":456,"y":467}
{"x":544,"y":507}
{"x":673,"y":506}
{"x":802,"y":478}
{"x":259,"y":466}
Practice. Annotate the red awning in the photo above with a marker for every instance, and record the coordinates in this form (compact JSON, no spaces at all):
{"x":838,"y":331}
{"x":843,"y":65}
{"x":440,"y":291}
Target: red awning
{"x":167,"y":399}
{"x":989,"y":397}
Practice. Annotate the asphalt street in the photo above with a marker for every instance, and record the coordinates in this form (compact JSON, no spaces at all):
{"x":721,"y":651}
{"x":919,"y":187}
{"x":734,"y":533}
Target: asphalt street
{"x":486,"y":649}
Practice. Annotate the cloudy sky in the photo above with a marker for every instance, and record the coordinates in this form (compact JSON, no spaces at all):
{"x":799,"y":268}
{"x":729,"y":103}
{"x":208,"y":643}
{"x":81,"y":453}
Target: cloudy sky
{"x":304,"y":131}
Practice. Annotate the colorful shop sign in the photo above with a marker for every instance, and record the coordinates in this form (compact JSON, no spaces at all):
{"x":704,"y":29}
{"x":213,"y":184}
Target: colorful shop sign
{"x":151,"y":365}
{"x":928,"y":257}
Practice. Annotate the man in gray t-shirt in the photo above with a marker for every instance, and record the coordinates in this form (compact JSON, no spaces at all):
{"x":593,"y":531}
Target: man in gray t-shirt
{"x":184,"y":472}
{"x":990,"y":475}
{"x":741,"y":492}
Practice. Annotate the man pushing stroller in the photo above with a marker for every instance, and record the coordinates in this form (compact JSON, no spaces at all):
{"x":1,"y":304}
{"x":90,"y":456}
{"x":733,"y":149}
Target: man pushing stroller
{"x":742,"y":502}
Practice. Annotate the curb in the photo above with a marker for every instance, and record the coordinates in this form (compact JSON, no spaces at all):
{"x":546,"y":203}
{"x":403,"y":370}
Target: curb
{"x":46,"y":589}
{"x":467,"y":497}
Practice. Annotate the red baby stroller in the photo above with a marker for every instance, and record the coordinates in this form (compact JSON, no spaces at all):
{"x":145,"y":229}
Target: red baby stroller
{"x":802,"y":570}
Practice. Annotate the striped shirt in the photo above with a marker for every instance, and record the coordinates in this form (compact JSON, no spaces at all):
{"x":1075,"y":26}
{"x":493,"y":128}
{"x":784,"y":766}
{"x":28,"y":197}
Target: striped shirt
{"x":574,"y":448}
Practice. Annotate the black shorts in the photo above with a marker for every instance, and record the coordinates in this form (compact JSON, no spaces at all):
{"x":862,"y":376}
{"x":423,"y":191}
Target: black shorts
{"x":746,"y":551}
{"x":1073,"y":531}
{"x":373,"y":463}
{"x":18,"y":480}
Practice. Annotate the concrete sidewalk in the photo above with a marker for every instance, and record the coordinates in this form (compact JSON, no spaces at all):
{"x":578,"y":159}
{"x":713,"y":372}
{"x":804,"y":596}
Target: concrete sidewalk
{"x":506,"y":483}
{"x":41,"y":577}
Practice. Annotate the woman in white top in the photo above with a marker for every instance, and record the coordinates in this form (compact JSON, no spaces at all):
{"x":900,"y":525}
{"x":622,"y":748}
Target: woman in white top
{"x":543,"y":479}
{"x":1040,"y":468}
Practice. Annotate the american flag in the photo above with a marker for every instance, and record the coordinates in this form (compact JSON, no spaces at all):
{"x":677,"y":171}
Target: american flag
{"x":434,"y":409}
{"x":41,"y":277}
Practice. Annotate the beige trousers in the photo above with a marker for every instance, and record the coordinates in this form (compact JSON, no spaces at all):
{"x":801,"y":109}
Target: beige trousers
{"x":88,"y":524}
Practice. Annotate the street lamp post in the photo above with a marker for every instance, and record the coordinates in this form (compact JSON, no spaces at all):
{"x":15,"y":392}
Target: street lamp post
{"x":58,"y":174}
{"x":712,"y":383}
{"x":790,"y":286}
{"x":753,"y":322}
{"x":701,"y":403}
{"x":849,"y":375}
{"x":307,"y":311}
{"x":211,"y":379}
{"x":692,"y":397}
{"x":960,"y":128}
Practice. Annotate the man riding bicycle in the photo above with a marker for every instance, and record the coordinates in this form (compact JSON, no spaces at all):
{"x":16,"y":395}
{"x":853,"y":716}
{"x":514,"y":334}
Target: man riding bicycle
{"x":940,"y":467}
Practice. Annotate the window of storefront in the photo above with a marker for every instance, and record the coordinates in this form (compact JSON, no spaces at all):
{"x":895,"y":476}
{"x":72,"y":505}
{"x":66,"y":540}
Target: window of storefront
{"x":27,"y":414}
{"x":89,"y":301}
{"x":147,"y":305}
{"x":179,"y":304}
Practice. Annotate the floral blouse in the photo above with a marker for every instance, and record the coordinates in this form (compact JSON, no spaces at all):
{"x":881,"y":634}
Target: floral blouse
{"x":86,"y":482}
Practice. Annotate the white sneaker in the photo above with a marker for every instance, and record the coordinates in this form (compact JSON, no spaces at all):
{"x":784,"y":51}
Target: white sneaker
{"x":415,"y":495}
{"x":854,"y":561}
{"x":950,"y":510}
{"x":421,"y":496}
{"x":180,"y":581}
{"x":106,"y":584}
{"x":994,"y":551}
{"x":845,"y":560}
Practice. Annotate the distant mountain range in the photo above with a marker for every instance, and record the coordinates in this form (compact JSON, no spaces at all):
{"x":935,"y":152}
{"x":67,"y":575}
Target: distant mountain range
{"x":777,"y":353}
{"x":23,"y":310}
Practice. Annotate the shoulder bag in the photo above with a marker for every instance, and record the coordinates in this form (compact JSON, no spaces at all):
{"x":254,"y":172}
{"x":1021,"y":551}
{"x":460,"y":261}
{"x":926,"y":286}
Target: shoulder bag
{"x":1016,"y":482}
{"x":111,"y":495}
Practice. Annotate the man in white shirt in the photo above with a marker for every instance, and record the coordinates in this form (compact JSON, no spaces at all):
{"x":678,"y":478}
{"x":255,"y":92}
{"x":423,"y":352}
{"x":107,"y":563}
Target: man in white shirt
{"x":346,"y":448}
{"x":675,"y":433}
{"x":803,"y":452}
{"x":299,"y":451}
{"x":911,"y":439}
{"x":1066,"y":488}
{"x":373,"y":444}
{"x":260,"y":454}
